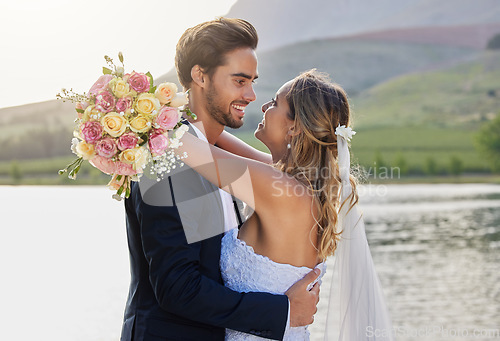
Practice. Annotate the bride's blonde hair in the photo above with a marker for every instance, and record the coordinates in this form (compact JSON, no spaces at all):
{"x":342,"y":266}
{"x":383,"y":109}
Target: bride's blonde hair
{"x":318,"y":106}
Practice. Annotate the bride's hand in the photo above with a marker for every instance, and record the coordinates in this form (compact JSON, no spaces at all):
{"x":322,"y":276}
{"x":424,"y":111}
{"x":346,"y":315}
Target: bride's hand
{"x":303,"y":301}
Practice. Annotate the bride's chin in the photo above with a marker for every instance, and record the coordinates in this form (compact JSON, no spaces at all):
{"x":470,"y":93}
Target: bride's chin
{"x":258,"y":135}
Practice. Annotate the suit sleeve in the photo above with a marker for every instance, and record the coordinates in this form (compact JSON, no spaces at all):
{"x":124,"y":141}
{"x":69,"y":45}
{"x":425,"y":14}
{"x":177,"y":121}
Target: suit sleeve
{"x":174,"y":272}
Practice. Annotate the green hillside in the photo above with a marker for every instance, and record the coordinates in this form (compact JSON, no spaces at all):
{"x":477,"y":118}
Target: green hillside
{"x":460,"y":96}
{"x":410,"y":149}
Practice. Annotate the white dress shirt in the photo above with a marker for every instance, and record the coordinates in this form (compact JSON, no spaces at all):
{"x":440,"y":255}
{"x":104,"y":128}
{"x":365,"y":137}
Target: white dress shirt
{"x":230,"y":221}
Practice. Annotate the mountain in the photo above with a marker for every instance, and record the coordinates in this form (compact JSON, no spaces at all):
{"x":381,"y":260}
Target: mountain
{"x":281,"y":22}
{"x":474,"y":36}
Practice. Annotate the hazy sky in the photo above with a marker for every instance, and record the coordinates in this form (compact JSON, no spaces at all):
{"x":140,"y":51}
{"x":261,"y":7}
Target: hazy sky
{"x":50,"y":44}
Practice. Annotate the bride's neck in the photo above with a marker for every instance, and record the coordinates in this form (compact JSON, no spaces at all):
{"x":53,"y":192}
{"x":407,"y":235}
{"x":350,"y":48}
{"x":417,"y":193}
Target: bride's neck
{"x":279,"y":155}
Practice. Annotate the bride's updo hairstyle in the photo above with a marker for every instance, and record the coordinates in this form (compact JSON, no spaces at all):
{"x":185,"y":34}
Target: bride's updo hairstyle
{"x":318,"y":106}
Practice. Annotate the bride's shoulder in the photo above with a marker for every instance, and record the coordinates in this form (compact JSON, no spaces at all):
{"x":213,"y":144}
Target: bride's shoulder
{"x":297,"y":196}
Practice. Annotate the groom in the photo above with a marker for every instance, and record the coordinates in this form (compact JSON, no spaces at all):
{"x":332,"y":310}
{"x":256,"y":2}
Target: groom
{"x":176,"y":290}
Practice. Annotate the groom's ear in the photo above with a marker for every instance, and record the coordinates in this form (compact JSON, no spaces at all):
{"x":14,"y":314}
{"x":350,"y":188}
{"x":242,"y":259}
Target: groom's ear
{"x":198,"y":76}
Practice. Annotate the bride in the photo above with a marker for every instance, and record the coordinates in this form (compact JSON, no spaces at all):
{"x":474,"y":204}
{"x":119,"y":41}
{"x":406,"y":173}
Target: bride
{"x":304,"y":206}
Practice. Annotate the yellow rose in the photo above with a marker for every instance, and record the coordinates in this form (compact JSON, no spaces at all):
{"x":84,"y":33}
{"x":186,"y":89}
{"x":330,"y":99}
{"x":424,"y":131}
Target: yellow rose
{"x":165,"y":92}
{"x":114,"y":124}
{"x":140,"y":124}
{"x":85,"y":150}
{"x":147,"y":104}
{"x":119,"y":87}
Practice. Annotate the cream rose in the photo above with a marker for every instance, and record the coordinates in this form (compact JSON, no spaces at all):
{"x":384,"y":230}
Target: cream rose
{"x":147,"y":104}
{"x":141,"y":159}
{"x":140,"y":124}
{"x":165,"y":92}
{"x":137,"y":157}
{"x":91,"y":113}
{"x":129,"y":155}
{"x":85,"y":150}
{"x":114,"y":124}
{"x":180,"y":99}
{"x":119,"y":87}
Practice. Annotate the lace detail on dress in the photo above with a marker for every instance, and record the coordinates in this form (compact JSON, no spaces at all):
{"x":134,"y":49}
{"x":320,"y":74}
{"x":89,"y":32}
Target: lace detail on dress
{"x":243,"y":270}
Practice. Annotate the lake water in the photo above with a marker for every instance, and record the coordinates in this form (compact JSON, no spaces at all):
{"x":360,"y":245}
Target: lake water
{"x":64,"y":261}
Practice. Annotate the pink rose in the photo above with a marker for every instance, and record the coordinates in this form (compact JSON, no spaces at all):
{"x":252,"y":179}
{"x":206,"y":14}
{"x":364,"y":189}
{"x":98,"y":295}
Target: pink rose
{"x":127,"y":141}
{"x":79,"y":107}
{"x":91,"y":131}
{"x":109,"y":167}
{"x":158,"y":143}
{"x":103,"y":164}
{"x":100,"y":85}
{"x":138,"y":81}
{"x":125,"y":169}
{"x":84,"y":105}
{"x":106,"y":147}
{"x":123,"y":104}
{"x":105,"y":101}
{"x":167,"y":118}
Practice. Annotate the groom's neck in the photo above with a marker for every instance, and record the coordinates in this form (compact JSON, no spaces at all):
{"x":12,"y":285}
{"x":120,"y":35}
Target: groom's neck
{"x":211,"y":128}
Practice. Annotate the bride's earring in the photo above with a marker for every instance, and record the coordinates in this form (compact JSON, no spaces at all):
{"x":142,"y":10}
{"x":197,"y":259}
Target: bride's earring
{"x":290,"y":133}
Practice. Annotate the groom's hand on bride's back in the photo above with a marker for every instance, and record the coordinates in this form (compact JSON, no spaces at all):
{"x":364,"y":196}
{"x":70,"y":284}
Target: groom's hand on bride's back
{"x":303,"y":301}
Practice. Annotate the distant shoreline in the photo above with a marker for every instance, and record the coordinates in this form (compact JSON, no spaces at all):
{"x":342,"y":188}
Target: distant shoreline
{"x":60,"y":180}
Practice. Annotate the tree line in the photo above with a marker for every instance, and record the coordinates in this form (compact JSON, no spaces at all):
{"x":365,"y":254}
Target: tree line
{"x":37,"y":144}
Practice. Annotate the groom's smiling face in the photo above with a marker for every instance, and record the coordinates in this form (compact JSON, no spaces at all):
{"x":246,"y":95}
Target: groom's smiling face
{"x":230,"y":88}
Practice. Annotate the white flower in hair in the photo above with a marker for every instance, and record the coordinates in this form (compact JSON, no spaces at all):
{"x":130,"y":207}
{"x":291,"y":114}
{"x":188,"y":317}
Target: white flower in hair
{"x":346,"y":133}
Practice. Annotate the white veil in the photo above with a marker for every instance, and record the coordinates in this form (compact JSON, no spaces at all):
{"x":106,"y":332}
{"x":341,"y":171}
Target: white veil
{"x":356,"y":307}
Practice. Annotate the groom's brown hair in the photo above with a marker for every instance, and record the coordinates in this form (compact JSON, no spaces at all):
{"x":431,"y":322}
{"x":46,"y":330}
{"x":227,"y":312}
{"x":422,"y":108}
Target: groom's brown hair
{"x":207,"y":44}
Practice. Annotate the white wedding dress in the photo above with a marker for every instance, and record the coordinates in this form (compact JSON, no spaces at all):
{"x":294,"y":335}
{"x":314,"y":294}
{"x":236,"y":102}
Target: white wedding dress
{"x":243,"y":270}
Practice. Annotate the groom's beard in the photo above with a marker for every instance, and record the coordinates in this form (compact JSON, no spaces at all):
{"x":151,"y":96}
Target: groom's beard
{"x":217,"y":111}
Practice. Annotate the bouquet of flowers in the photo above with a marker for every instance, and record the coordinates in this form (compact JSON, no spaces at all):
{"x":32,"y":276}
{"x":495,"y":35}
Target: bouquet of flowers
{"x":123,"y":124}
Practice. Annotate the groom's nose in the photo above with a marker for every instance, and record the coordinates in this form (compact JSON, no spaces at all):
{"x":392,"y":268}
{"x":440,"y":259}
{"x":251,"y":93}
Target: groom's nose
{"x":249,"y":94}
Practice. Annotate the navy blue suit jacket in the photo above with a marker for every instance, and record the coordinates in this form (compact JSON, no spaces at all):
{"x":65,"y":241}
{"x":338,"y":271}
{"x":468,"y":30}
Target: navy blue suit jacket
{"x":176,"y":290}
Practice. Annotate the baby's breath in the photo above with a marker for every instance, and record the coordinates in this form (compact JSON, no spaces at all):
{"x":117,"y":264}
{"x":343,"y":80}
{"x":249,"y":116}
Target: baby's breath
{"x":70,"y":95}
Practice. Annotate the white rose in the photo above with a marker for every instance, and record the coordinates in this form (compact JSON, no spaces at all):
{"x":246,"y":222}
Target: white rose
{"x":180,"y":99}
{"x":74,"y":143}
